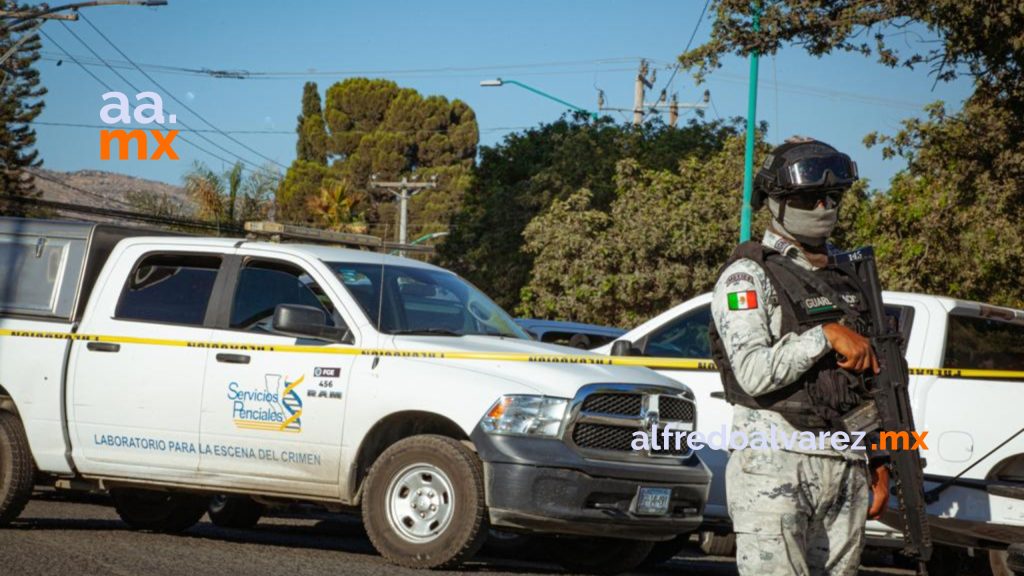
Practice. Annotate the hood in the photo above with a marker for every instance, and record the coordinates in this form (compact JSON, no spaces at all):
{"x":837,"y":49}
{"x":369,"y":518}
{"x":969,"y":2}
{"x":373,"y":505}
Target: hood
{"x":547,"y":378}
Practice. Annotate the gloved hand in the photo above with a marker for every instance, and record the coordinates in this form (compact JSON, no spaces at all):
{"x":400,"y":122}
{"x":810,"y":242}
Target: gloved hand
{"x":879,"y":491}
{"x":855,"y":352}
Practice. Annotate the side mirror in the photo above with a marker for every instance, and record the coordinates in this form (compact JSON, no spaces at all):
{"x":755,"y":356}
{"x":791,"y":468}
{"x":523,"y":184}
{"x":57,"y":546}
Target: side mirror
{"x":623,"y":348}
{"x":307,"y":322}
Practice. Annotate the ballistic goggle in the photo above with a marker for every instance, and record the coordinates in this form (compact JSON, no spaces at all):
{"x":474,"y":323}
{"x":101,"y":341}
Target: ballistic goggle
{"x":814,"y":171}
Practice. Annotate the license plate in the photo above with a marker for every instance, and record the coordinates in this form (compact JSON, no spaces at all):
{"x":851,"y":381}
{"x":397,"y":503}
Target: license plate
{"x":651,"y":501}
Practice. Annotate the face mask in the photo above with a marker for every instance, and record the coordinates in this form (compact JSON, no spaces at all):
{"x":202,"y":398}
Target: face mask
{"x":808,"y":227}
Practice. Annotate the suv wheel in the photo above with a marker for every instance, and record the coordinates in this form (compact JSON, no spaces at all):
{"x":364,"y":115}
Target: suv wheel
{"x":158,"y":511}
{"x":423,"y":504}
{"x":17,"y":469}
{"x":239,"y":512}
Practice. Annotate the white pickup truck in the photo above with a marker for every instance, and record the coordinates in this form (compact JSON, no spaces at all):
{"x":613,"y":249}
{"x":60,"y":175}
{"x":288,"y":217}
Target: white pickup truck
{"x":169,"y":369}
{"x":966,"y":417}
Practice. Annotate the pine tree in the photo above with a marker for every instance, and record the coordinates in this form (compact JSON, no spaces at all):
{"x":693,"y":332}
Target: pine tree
{"x":20,"y":102}
{"x":312,"y":143}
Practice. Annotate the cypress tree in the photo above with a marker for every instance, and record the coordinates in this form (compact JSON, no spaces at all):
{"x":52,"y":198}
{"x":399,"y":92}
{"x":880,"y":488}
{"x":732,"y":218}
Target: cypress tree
{"x":20,"y":102}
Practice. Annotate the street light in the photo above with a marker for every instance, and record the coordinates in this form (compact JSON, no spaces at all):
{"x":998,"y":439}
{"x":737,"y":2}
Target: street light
{"x":498,"y":82}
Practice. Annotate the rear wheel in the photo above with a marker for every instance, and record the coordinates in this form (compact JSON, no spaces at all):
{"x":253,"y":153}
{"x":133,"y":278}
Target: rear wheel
{"x":599,"y":555}
{"x":424,"y":503}
{"x":239,"y":512}
{"x":17,"y":469}
{"x":158,"y":511}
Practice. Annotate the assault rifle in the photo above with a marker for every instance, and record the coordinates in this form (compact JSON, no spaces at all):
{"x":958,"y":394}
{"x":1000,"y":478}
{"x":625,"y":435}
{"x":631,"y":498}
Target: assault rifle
{"x":891,"y":405}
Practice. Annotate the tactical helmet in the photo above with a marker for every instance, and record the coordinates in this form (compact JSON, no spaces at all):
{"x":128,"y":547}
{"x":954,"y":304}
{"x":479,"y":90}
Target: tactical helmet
{"x":802,"y":165}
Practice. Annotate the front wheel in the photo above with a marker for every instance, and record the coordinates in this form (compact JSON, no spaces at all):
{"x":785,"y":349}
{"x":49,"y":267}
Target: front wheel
{"x":599,"y":555}
{"x":423,"y":505}
{"x":156,"y":511}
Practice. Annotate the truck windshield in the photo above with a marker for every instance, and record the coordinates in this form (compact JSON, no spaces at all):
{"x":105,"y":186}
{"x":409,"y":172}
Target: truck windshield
{"x":422,"y":301}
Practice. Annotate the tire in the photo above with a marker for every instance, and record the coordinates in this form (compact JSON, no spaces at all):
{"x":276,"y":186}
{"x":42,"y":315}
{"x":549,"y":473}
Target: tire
{"x":155,"y":511}
{"x":238,"y":512}
{"x":718,"y":544}
{"x":17,"y":469}
{"x":598,"y":555}
{"x":441,"y":481}
{"x":662,"y":552}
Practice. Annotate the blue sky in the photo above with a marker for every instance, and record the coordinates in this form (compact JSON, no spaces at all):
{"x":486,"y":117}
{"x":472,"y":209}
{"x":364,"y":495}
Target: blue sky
{"x":569,"y":48}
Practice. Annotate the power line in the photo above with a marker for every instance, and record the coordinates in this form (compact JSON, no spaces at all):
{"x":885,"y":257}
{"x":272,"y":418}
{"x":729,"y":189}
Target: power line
{"x":272,"y":132}
{"x":111,"y":89}
{"x":124,"y":214}
{"x":77,"y":189}
{"x":137,"y":90}
{"x":675,"y":69}
{"x":299,"y":74}
{"x":175,"y":98}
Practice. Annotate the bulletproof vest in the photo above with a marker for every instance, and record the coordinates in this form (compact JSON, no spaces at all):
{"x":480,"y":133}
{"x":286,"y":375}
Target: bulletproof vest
{"x":818,"y":399}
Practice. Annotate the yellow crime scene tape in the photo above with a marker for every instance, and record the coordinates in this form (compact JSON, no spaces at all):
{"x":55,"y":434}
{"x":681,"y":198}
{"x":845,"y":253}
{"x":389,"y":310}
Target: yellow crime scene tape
{"x":638,"y":361}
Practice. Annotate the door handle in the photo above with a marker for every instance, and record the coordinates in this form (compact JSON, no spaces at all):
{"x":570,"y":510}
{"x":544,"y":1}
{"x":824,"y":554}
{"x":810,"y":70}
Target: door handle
{"x":233,"y":358}
{"x":718,"y":395}
{"x":103,"y":347}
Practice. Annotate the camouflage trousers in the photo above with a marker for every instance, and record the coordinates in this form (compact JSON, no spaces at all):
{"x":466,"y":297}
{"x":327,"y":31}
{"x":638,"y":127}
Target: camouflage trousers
{"x":796,"y":514}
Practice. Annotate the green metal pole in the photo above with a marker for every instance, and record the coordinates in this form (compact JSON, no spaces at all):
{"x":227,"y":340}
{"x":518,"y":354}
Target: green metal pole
{"x":746,"y":212}
{"x":593,"y":115}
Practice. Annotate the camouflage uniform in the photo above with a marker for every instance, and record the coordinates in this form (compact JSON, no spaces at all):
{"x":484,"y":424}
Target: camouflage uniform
{"x":796,"y":510}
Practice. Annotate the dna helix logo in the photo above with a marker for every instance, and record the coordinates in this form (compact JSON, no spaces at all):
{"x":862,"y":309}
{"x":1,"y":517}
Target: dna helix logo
{"x":292,"y":403}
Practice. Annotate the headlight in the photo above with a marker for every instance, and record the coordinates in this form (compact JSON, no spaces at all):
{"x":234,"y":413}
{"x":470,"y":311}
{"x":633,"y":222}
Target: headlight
{"x":526,"y":416}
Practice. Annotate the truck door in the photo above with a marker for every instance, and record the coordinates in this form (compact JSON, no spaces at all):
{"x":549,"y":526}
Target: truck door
{"x":273,"y":419}
{"x":134,"y":403}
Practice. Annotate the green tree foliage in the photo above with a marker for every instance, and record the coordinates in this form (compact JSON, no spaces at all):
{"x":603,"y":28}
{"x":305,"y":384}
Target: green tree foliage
{"x":662,"y":240}
{"x":523,"y":176}
{"x":20,"y":102}
{"x":311,"y":145}
{"x":376,"y":127}
{"x":228,"y":198}
{"x":950,"y":222}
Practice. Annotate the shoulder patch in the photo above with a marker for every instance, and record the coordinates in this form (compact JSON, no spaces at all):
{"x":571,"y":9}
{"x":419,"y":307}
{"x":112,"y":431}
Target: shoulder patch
{"x":744,"y":300}
{"x":739,"y":277}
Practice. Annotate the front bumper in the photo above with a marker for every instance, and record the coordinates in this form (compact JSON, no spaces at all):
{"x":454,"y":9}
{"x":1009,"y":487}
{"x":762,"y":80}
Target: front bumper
{"x":542,"y":485}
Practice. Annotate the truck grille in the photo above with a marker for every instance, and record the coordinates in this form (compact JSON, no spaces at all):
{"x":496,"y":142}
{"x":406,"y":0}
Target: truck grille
{"x":615,"y":403}
{"x":605,"y":417}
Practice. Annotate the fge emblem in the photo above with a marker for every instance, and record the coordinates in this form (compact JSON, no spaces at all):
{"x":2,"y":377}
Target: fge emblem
{"x":151,"y":112}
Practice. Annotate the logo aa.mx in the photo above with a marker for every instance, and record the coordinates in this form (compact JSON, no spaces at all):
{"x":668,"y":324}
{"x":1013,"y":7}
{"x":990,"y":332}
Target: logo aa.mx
{"x":120,"y":112}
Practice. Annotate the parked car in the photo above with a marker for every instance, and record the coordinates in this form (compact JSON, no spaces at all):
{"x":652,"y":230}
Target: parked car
{"x":965,"y":416}
{"x":166,"y":370}
{"x":574,"y":334}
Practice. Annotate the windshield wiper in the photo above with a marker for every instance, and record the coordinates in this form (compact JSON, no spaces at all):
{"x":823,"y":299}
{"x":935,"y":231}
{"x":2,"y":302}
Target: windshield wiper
{"x":425,"y":332}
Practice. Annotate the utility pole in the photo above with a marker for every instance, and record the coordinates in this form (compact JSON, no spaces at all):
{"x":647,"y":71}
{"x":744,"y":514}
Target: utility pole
{"x":639,"y":88}
{"x":658,"y":107}
{"x":403,"y":190}
{"x":43,"y":12}
{"x":746,"y":211}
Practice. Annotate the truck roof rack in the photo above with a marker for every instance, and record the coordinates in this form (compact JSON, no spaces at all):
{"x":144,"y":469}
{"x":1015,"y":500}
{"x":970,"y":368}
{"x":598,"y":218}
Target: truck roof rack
{"x":277,"y":232}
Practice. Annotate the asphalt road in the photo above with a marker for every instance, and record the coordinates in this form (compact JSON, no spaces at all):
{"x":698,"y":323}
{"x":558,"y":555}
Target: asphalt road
{"x":55,"y":536}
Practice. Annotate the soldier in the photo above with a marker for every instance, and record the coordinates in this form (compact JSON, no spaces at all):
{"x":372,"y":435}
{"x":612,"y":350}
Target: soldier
{"x":786,"y":352}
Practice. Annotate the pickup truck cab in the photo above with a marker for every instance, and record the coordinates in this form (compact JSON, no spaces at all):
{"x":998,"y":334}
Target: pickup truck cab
{"x":966,"y":417}
{"x":169,"y":369}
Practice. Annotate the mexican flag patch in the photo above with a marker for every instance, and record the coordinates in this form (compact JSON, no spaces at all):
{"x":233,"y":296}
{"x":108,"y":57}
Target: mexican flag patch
{"x":743,"y":300}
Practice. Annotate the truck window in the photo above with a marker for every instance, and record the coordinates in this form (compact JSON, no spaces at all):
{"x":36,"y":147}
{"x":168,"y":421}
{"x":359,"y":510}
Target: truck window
{"x":983,"y":343}
{"x":171,"y":288}
{"x":684,"y":337}
{"x":263,"y":285}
